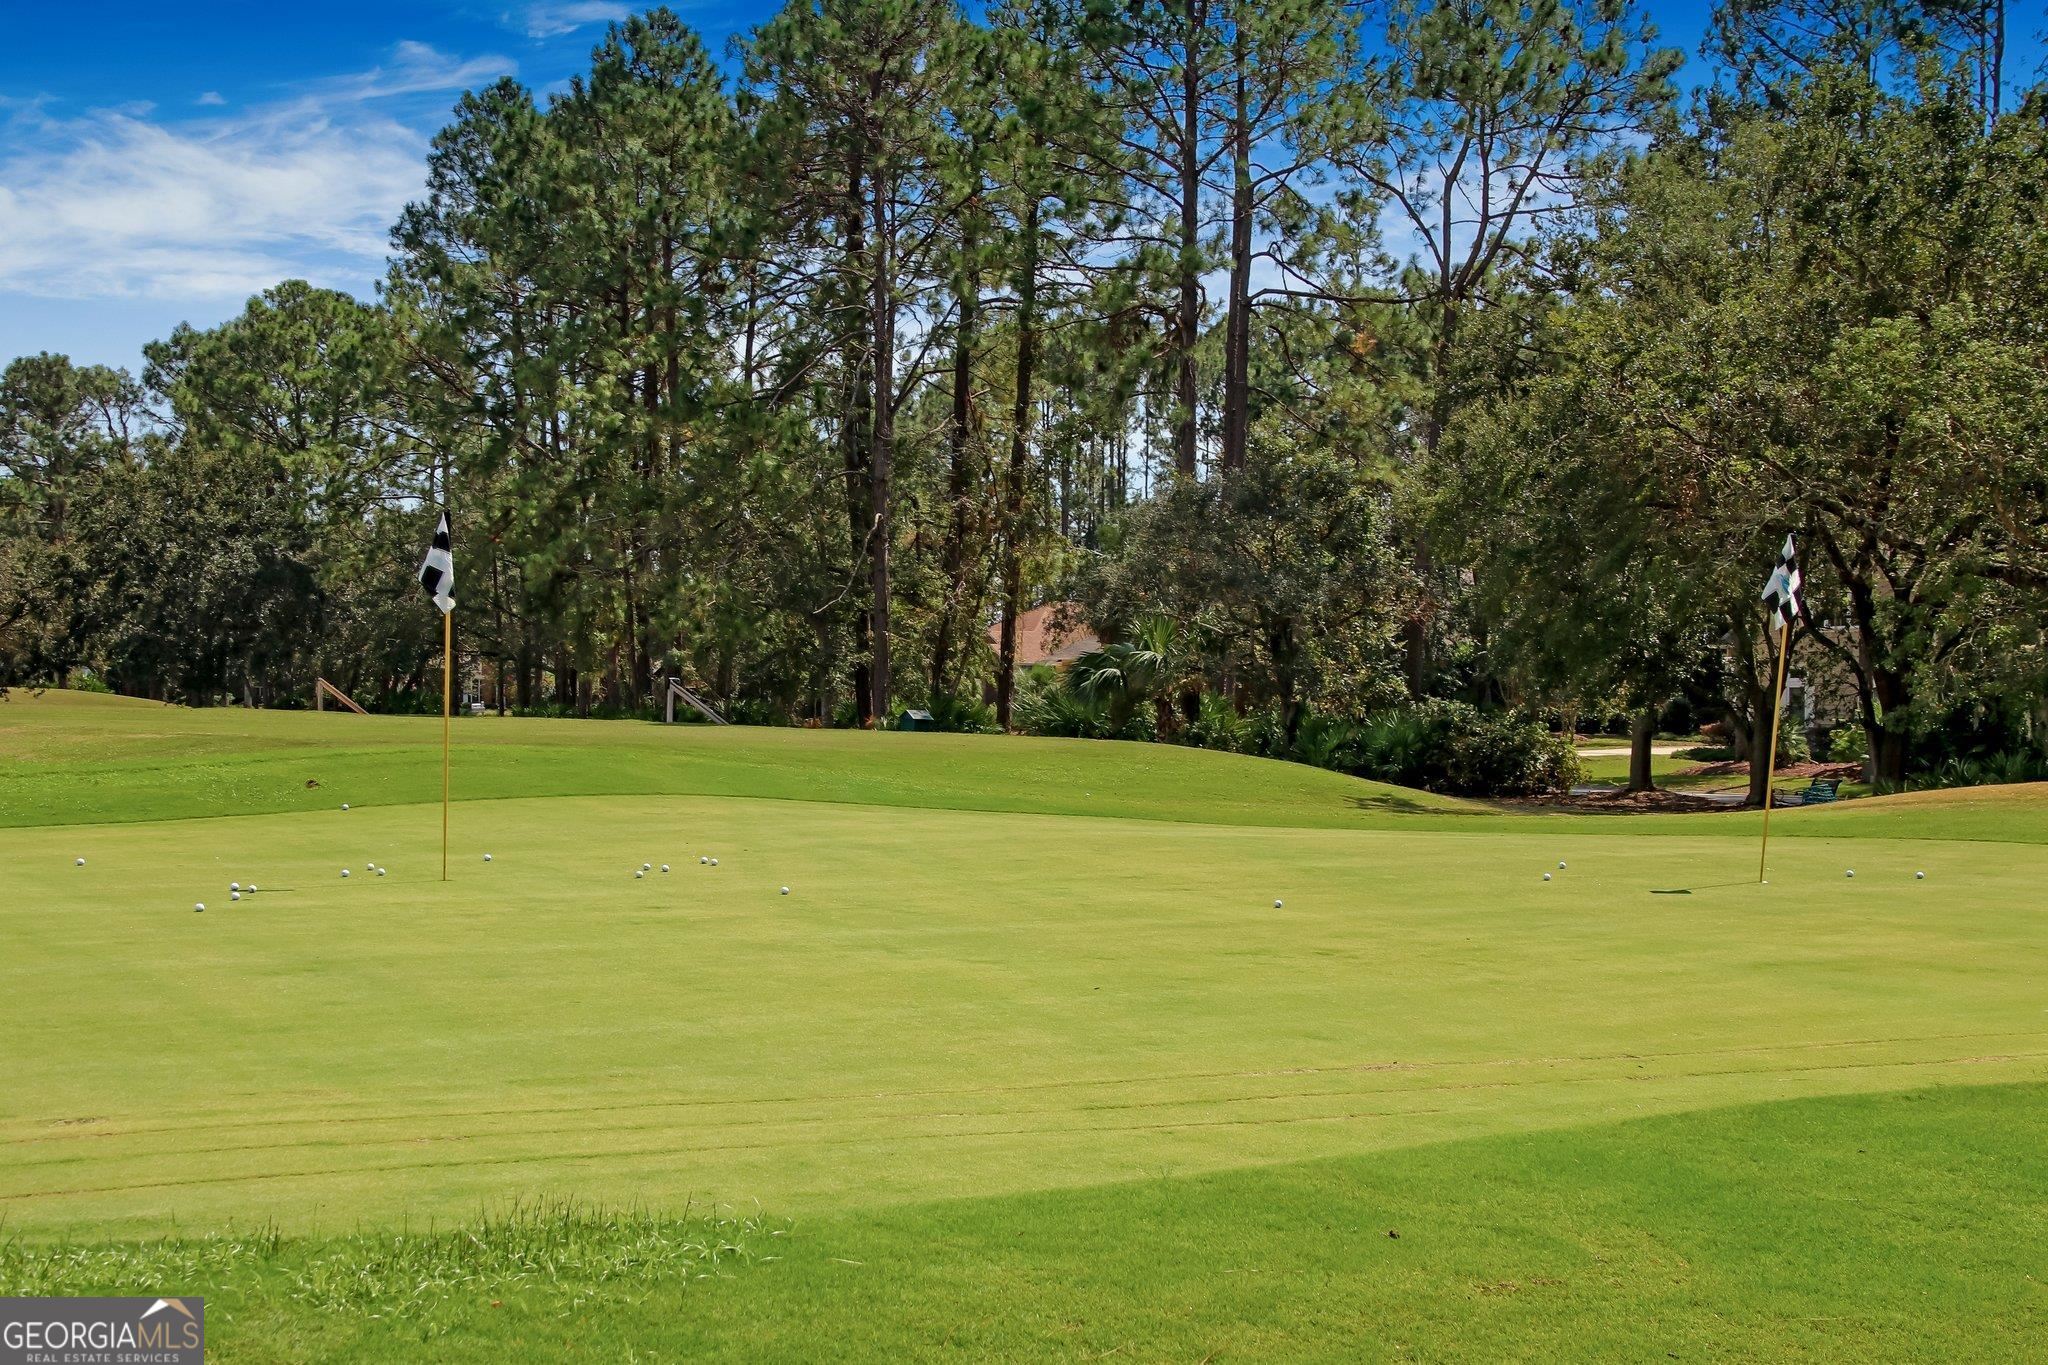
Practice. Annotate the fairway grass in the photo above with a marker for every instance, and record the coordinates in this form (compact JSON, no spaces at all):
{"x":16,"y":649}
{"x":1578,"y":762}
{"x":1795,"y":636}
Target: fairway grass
{"x":1883,"y":1227}
{"x":1028,"y":1061}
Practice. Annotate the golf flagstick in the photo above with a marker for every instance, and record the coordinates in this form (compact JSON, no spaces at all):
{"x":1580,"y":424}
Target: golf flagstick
{"x":447,"y":687}
{"x":437,"y":576}
{"x":1781,"y":594}
{"x":1771,"y":758}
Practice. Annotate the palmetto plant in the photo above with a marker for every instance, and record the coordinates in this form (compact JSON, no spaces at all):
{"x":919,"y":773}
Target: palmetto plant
{"x":1122,"y":676}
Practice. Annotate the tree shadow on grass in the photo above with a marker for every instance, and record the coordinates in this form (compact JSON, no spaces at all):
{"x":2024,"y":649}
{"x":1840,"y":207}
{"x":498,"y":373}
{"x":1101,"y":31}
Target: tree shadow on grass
{"x":1401,"y":803}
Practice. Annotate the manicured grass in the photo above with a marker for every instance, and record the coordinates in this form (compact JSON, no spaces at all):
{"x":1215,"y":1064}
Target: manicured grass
{"x":947,"y":1002}
{"x":1895,"y":1227}
{"x":78,"y":758}
{"x":1029,"y":1042}
{"x":73,"y":758}
{"x":1673,"y":772}
{"x":1614,"y":767}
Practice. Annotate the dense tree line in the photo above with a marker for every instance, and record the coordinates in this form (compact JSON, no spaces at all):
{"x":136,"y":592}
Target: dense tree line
{"x":1355,"y":357}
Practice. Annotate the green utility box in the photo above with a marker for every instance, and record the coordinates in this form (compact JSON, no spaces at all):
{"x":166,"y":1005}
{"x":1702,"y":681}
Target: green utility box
{"x":916,"y":720}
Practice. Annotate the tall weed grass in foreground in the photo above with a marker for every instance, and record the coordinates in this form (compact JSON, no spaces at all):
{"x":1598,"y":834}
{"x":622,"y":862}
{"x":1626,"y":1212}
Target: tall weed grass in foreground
{"x":561,"y":1250}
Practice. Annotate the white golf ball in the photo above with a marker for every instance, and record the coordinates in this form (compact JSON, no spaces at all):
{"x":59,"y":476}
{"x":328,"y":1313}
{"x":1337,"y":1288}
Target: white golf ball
{"x":714,"y":862}
{"x":487,"y":857}
{"x":785,"y":891}
{"x":703,"y":860}
{"x":199,"y":907}
{"x":647,"y":867}
{"x":234,"y":886}
{"x":1546,"y":876}
{"x":638,"y":875}
{"x":1850,"y":873}
{"x":81,"y":862}
{"x":664,"y":867}
{"x":380,"y":871}
{"x":1276,"y":905}
{"x":234,"y":895}
{"x":344,"y":872}
{"x":1560,"y":867}
{"x":1919,"y":876}
{"x":252,"y":888}
{"x":344,"y":805}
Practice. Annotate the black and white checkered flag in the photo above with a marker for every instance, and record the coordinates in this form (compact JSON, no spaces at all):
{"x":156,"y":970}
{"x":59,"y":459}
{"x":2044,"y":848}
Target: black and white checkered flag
{"x":1781,"y":594}
{"x":437,"y":570}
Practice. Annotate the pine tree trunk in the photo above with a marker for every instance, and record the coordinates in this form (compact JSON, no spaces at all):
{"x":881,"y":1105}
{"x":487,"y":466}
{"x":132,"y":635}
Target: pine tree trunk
{"x":1238,"y":323}
{"x":954,"y":557}
{"x":855,"y":430}
{"x":1188,"y":320}
{"x":1013,"y":481}
{"x":881,"y":472}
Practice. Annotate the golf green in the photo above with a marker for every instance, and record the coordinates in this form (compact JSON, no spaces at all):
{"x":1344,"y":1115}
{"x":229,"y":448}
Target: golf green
{"x":1005,"y":970}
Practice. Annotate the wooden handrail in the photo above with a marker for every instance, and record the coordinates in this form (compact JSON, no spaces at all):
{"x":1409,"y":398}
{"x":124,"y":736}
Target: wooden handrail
{"x":322,"y":689}
{"x":697,"y":703}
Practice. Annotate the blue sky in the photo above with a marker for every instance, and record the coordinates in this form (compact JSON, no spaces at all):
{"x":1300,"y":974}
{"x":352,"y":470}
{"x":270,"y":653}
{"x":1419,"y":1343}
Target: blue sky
{"x":161,"y":162}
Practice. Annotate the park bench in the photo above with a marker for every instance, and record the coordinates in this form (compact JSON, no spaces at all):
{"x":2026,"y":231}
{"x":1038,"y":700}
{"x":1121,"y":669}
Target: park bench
{"x":1819,"y":792}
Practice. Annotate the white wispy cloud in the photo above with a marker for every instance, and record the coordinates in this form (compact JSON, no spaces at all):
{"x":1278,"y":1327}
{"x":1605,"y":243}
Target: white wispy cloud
{"x":553,"y":18}
{"x":211,"y":97}
{"x":414,"y":69}
{"x":120,"y":203}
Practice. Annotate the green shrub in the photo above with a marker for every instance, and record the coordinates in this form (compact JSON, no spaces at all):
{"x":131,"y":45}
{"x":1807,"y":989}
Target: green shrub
{"x":1510,"y":756}
{"x":1707,"y":753}
{"x":1453,"y":747}
{"x":1061,"y":712}
{"x":1792,"y":747}
{"x":1265,"y":736}
{"x":1678,"y":717}
{"x":428,"y":703}
{"x":1327,"y":742}
{"x":963,"y":715}
{"x":415,"y":702}
{"x":1446,"y":746}
{"x":1217,"y":725}
{"x":1848,"y":744}
{"x":2017,"y":767}
{"x":746,"y":711}
{"x":1399,"y":747}
{"x":1992,"y":770}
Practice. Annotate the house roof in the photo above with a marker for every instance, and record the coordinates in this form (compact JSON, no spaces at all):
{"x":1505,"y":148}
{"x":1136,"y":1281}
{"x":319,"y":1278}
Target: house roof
{"x":1039,"y":642}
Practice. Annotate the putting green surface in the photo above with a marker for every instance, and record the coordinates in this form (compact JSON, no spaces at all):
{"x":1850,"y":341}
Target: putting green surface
{"x":1021,"y":986}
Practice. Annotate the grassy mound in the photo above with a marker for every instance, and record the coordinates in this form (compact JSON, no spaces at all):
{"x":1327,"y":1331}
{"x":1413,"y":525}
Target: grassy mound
{"x":77,"y":758}
{"x":80,"y":758}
